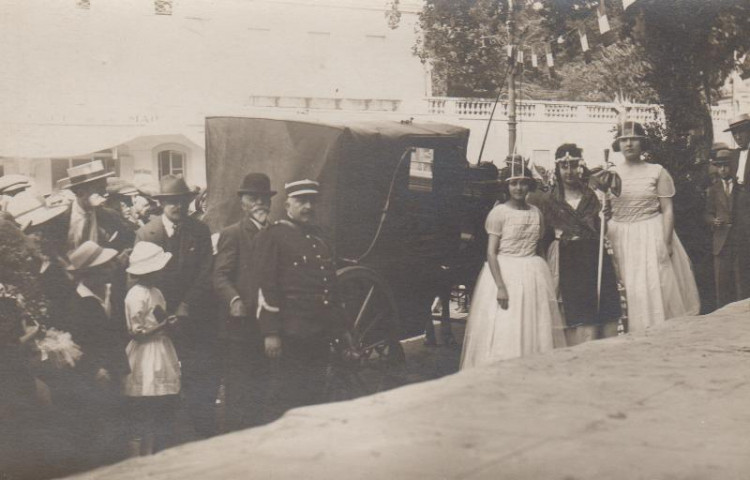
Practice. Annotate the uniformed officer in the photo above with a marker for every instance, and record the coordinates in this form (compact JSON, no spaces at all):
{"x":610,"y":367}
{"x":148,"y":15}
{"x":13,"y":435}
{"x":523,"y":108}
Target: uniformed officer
{"x":297,"y":302}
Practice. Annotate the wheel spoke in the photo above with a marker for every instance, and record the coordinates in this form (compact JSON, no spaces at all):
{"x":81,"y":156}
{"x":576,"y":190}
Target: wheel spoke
{"x":374,"y":322}
{"x":364,"y":307}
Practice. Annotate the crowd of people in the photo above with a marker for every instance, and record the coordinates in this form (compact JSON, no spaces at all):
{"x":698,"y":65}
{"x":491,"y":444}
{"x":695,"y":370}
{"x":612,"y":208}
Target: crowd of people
{"x":146,"y":317}
{"x":544,"y":284}
{"x":155,"y":317}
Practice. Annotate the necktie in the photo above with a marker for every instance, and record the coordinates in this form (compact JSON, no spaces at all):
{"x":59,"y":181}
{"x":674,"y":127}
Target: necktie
{"x":727,"y":186}
{"x":86,"y":230}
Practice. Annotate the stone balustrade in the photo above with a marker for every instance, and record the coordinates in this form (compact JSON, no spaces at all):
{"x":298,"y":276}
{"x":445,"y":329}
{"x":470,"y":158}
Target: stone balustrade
{"x":552,"y":111}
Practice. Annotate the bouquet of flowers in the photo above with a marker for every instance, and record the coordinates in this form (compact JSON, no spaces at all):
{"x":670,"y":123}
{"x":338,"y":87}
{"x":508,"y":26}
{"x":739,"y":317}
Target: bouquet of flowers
{"x":59,"y":349}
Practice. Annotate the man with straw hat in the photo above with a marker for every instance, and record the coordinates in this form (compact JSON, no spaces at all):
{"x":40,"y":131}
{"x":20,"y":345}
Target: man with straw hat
{"x":235,"y":279}
{"x":187,"y":288}
{"x":88,"y":218}
{"x":739,"y":235}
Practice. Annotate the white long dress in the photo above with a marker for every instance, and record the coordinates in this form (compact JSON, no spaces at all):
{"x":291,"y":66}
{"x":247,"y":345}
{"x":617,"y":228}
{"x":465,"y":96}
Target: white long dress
{"x":657,"y":286}
{"x":532,"y":322}
{"x":154,"y":368}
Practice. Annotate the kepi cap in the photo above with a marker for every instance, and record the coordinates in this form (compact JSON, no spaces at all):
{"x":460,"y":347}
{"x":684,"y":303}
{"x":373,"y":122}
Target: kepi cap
{"x":302,"y":187}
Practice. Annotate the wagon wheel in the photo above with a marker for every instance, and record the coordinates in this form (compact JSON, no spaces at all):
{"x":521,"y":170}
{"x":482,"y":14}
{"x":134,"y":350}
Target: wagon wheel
{"x":372,"y":318}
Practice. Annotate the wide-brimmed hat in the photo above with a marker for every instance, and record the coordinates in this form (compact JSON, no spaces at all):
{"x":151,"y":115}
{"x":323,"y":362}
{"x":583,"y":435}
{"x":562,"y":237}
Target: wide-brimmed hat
{"x":173,"y":186}
{"x":86,"y":173}
{"x":301,"y":187}
{"x":118,"y":186}
{"x":13,"y":184}
{"x":630,"y":129}
{"x":722,"y":157}
{"x":740,"y":121}
{"x":89,"y":255}
{"x":146,"y":258}
{"x":29,"y":210}
{"x":257,"y":184}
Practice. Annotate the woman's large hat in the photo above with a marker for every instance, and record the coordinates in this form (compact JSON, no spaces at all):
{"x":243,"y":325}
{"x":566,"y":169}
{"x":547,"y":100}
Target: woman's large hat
{"x":741,"y":120}
{"x":173,"y":186}
{"x":630,"y":129}
{"x":257,"y":184}
{"x":29,"y":210}
{"x":146,"y":258}
{"x":89,"y":255}
{"x":86,"y":173}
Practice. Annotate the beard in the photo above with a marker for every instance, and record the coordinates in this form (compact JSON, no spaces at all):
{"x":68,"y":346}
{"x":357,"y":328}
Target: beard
{"x":260,"y":215}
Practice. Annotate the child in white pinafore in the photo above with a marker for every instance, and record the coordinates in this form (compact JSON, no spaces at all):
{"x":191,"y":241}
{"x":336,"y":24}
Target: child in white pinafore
{"x":153,"y":384}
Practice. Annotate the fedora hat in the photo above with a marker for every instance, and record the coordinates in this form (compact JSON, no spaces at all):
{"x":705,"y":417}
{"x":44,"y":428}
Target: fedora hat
{"x":86,"y":173}
{"x":301,"y":187}
{"x":741,"y":120}
{"x":88,"y":255}
{"x":119,"y":186}
{"x":13,"y":184}
{"x":146,"y":258}
{"x":722,"y":157}
{"x":256,"y":183}
{"x":29,"y":210}
{"x":173,"y":186}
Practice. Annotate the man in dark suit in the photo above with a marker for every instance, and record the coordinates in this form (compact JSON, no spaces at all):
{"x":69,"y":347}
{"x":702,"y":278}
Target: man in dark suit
{"x":235,"y":279}
{"x":187,"y":288}
{"x":88,"y":218}
{"x":739,"y":235}
{"x":719,"y":203}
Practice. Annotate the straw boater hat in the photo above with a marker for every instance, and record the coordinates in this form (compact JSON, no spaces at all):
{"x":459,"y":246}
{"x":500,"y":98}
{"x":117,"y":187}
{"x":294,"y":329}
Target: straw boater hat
{"x":740,"y":121}
{"x":29,"y":210}
{"x":257,"y":184}
{"x":13,"y":184}
{"x":120,"y":187}
{"x":146,"y":258}
{"x":630,"y":129}
{"x":86,"y":173}
{"x":302,"y":187}
{"x":89,"y":255}
{"x":171,"y":186}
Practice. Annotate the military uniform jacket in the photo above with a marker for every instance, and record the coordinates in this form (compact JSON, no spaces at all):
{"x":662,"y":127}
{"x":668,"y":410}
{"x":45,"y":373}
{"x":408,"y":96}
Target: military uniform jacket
{"x":298,"y":293}
{"x":236,"y":275}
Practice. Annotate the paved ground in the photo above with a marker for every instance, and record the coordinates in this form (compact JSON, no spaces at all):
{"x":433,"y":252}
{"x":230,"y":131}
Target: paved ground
{"x":669,"y":404}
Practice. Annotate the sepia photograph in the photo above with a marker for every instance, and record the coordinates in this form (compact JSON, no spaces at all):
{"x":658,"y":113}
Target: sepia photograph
{"x":374,"y":239}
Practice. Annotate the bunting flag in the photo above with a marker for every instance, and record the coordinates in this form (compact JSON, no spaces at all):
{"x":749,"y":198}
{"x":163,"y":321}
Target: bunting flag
{"x":519,"y":56}
{"x":550,"y":61}
{"x":509,"y":49}
{"x":534,"y":59}
{"x":584,"y":44}
{"x":603,"y":20}
{"x":625,"y":3}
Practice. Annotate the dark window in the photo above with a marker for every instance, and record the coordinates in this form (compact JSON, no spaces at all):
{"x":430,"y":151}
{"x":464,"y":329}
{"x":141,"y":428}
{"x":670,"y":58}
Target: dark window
{"x":171,"y":162}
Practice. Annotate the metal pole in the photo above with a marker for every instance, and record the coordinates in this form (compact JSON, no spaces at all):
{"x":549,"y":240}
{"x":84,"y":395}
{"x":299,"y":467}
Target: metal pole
{"x":511,"y":86}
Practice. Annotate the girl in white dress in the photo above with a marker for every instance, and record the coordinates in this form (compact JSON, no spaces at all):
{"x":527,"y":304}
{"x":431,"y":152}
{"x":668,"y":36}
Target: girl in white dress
{"x":514,"y":309}
{"x":154,"y":380}
{"x":654,"y":267}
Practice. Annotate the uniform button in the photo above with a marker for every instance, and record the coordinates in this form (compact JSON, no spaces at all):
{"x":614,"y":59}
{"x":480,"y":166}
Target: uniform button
{"x":317,"y":256}
{"x":295,"y":264}
{"x":307,"y":236}
{"x":322,"y":267}
{"x":325,"y":302}
{"x":325,"y":290}
{"x":315,"y":245}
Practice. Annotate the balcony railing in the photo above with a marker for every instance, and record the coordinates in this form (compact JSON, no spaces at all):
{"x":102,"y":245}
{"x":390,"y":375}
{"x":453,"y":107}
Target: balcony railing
{"x":549,"y":111}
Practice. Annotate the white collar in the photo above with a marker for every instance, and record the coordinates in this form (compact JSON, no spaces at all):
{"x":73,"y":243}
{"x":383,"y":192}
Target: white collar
{"x":84,"y":291}
{"x":169,"y":225}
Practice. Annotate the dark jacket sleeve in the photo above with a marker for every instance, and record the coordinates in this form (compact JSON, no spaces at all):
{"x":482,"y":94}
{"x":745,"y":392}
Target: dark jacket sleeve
{"x":201,"y":287}
{"x":225,"y":265}
{"x":99,"y":337}
{"x":119,"y":232}
{"x":269,"y":294}
{"x":710,"y":207}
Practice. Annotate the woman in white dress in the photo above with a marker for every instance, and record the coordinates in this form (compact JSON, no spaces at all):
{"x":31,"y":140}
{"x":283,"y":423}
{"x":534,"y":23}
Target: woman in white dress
{"x":514,"y":309}
{"x":654,"y":267}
